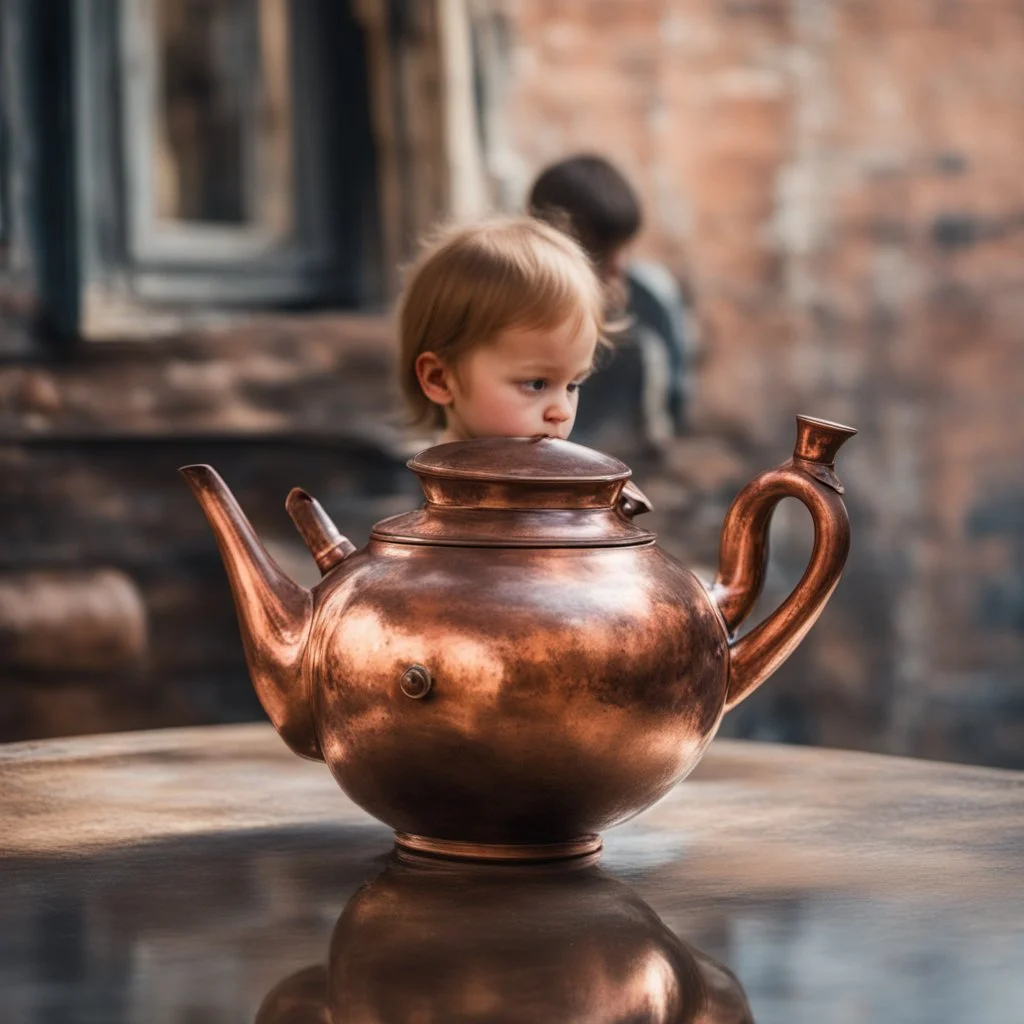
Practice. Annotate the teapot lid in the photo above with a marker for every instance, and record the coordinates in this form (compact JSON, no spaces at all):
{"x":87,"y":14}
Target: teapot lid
{"x":517,"y":492}
{"x":538,"y":459}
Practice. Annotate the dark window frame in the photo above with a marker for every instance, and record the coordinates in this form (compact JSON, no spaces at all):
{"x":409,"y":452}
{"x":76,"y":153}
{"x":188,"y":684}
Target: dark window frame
{"x":5,"y":231}
{"x":96,"y":286}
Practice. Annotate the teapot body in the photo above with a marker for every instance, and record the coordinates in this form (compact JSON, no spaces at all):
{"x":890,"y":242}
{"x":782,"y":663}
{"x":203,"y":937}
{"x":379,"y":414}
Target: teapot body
{"x":515,"y":665}
{"x":569,"y":688}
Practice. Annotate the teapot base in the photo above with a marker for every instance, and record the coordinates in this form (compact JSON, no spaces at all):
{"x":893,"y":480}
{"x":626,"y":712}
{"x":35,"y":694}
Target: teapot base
{"x":517,"y":853}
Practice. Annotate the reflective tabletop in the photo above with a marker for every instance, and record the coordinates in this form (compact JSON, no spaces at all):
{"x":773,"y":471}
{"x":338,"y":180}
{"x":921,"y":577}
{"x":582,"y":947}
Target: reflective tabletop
{"x":208,"y":875}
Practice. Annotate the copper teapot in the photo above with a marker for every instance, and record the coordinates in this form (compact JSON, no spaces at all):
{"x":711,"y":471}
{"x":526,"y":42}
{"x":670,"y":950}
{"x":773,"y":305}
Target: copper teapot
{"x":515,"y":666}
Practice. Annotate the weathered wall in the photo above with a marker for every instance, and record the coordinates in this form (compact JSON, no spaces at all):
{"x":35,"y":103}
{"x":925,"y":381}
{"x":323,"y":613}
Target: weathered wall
{"x":841,"y":183}
{"x":114,"y":606}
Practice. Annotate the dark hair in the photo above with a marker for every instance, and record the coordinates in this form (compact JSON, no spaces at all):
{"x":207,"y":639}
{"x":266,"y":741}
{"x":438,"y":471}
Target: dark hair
{"x":587,"y":197}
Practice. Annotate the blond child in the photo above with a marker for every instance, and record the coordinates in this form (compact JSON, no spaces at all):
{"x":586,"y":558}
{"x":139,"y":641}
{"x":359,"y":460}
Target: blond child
{"x":499,"y":322}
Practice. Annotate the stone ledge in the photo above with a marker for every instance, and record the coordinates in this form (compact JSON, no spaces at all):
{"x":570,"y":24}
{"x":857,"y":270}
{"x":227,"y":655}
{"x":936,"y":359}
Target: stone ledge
{"x":325,"y":375}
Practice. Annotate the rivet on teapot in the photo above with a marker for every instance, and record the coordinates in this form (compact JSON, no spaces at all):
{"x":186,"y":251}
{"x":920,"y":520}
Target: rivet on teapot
{"x":417,"y":682}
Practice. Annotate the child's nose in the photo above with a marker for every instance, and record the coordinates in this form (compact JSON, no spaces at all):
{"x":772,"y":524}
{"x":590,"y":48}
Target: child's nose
{"x":558,"y":412}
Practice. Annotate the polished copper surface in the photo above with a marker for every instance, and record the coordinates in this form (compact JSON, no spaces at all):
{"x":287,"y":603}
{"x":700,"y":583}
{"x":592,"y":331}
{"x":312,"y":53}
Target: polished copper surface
{"x":326,"y":544}
{"x":743,"y":558}
{"x":817,"y":444}
{"x":274,"y":613}
{"x":528,"y":461}
{"x":576,"y":672}
{"x":535,"y":853}
{"x":561,"y":528}
{"x":519,"y":473}
{"x":520,"y":492}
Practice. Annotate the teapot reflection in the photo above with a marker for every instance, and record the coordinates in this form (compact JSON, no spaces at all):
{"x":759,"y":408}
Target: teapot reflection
{"x":434,"y":942}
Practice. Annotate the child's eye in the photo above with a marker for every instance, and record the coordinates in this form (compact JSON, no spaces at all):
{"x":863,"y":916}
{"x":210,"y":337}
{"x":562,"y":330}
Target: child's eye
{"x":575,"y":386}
{"x":534,"y":386}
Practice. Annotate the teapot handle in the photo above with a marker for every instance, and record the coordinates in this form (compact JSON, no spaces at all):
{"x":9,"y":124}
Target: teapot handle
{"x":743,"y":557}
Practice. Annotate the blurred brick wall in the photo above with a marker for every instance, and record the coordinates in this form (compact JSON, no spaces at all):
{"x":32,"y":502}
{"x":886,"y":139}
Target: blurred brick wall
{"x":115,"y":612}
{"x":841,"y":184}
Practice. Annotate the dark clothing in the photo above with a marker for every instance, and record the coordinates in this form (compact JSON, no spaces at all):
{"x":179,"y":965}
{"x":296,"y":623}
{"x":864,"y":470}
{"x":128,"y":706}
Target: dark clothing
{"x":659,"y":311}
{"x":644,"y":384}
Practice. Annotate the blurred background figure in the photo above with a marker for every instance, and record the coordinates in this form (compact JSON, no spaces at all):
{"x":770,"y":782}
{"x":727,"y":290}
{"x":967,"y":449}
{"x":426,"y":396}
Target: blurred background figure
{"x":645,"y":380}
{"x":205,"y":208}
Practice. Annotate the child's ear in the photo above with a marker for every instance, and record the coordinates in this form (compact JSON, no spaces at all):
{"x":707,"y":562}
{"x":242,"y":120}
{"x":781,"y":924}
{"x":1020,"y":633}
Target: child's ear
{"x":435,"y":378}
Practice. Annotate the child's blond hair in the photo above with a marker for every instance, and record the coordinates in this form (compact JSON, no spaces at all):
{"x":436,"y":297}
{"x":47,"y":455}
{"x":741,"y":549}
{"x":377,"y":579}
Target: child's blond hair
{"x":472,"y":282}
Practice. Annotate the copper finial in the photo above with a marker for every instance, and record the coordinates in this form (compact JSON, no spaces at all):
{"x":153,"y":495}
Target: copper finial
{"x":817,"y":443}
{"x":820,"y":440}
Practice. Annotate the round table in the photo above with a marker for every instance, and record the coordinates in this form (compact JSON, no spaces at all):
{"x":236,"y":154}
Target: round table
{"x":199,"y":875}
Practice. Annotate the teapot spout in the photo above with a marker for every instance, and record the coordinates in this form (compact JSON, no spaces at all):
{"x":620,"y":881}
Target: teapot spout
{"x":274,"y":613}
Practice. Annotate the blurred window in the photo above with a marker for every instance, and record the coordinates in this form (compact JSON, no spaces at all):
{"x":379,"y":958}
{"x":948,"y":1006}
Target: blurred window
{"x":4,"y":163}
{"x":209,"y":87}
{"x":223,"y":159}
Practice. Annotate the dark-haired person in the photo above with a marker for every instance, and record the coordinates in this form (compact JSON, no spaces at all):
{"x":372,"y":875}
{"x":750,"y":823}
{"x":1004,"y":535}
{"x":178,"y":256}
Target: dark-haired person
{"x":649,"y":377}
